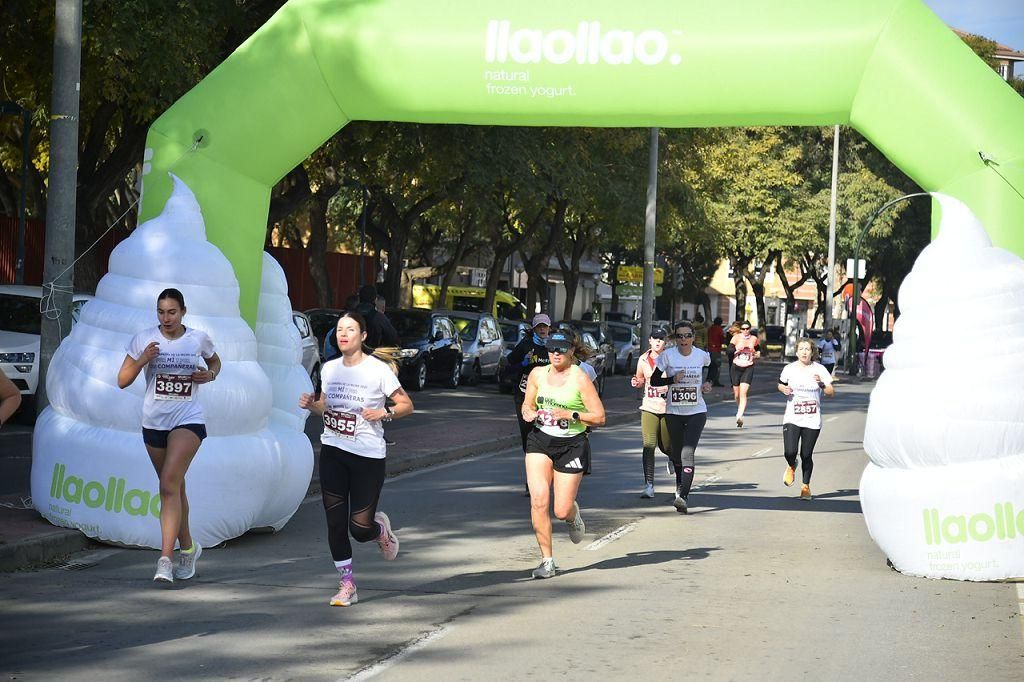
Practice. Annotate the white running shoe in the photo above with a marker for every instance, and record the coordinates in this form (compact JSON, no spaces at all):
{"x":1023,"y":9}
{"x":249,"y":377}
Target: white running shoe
{"x":577,"y":529}
{"x":186,"y":567}
{"x":680,"y":504}
{"x":547,"y":569}
{"x":164,"y":570}
{"x":648,"y":491}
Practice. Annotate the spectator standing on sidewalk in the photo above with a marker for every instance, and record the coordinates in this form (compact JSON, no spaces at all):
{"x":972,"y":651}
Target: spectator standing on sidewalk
{"x":828,"y":349}
{"x":380,"y":333}
{"x":716,"y":338}
{"x":10,"y":399}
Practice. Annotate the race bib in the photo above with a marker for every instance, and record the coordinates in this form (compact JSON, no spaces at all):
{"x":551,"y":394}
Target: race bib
{"x":547,"y":418}
{"x":176,"y":387}
{"x":805,"y":407}
{"x":655,"y":391}
{"x":340,"y":423}
{"x":683,"y":395}
{"x":744,"y":357}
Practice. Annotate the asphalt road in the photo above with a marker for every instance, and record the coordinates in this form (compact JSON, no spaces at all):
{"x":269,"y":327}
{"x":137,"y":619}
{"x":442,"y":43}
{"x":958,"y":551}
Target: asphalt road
{"x":752,"y":585}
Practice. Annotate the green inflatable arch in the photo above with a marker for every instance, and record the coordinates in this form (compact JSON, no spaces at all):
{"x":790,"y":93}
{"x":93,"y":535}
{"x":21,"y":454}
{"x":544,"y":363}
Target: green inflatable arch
{"x":889,"y":68}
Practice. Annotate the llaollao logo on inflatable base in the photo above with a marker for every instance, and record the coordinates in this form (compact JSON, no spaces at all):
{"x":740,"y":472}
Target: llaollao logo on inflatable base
{"x":112,"y":496}
{"x":961,"y":528}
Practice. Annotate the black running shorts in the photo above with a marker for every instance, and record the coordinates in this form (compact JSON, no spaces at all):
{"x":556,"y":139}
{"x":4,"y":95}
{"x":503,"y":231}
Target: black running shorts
{"x":568,"y":455}
{"x":741,"y":375}
{"x":158,"y":439}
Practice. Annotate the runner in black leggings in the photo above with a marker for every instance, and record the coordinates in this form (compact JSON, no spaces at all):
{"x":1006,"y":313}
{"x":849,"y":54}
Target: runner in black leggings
{"x":352,"y":465}
{"x":684,"y":369}
{"x":803,"y":383}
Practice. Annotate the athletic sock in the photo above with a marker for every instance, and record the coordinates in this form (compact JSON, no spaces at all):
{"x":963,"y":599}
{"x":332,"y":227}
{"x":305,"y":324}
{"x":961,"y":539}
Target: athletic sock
{"x":344,"y":569}
{"x":190,"y":550}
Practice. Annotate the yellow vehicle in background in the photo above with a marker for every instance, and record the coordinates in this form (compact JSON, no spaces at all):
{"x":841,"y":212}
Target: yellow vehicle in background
{"x":471,"y":299}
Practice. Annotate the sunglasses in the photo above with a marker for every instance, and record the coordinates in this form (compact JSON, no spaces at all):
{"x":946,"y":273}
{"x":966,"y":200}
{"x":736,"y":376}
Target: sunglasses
{"x":744,"y":329}
{"x":684,"y":335}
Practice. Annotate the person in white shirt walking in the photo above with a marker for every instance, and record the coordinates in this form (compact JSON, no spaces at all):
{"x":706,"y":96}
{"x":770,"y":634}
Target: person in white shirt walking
{"x":803,"y":382}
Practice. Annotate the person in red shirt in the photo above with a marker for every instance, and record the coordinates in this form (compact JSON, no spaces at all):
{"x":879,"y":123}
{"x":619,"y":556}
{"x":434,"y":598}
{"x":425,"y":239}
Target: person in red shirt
{"x":716,"y":337}
{"x":744,"y":347}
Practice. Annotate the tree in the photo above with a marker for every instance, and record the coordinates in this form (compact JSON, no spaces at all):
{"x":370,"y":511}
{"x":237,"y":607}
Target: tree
{"x":136,"y":61}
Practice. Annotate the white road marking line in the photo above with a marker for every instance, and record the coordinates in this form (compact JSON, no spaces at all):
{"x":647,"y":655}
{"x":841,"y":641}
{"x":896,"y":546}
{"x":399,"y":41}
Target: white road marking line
{"x":831,"y":419}
{"x":380,"y":666}
{"x":762,"y":451}
{"x":611,"y":537}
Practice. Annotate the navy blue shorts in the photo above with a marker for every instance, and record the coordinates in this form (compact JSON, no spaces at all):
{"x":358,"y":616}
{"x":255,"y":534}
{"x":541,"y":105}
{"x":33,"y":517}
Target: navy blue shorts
{"x":158,"y":439}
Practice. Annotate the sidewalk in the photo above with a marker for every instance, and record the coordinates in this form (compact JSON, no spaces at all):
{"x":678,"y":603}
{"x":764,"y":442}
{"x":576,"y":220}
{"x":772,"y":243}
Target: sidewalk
{"x":27,"y":540}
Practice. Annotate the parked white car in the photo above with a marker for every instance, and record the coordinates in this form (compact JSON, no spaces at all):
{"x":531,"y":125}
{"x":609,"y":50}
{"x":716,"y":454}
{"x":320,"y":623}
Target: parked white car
{"x":627,"y":346}
{"x":20,"y":324}
{"x":310,"y":347}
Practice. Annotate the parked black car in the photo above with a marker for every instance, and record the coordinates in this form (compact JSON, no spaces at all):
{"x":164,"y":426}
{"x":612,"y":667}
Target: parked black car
{"x":431,"y":348}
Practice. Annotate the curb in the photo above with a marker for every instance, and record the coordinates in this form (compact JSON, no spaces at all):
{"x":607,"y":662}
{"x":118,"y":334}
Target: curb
{"x":41,"y":549}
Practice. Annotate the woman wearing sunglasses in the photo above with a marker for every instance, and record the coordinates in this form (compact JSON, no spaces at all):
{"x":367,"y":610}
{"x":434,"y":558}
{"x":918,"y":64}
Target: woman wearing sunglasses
{"x":744,"y":351}
{"x":684,"y":369}
{"x":653,"y":427}
{"x":562,"y":402}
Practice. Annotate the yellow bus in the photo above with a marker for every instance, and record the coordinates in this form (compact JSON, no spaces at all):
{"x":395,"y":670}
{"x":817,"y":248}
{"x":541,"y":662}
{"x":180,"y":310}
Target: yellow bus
{"x":506,"y":306}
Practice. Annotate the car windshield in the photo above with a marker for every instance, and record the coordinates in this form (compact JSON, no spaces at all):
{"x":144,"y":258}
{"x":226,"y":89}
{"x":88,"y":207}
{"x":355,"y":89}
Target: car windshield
{"x":20,"y":314}
{"x":621,"y":334}
{"x":467,"y":328}
{"x":410,"y":326}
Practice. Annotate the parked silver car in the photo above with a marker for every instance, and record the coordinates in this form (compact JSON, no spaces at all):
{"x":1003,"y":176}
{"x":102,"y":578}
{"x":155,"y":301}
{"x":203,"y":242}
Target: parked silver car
{"x":310,"y":347}
{"x":482,"y":343}
{"x":627,"y":345}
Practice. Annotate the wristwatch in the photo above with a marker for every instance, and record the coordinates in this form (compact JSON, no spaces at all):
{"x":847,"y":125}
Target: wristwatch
{"x":575,"y":416}
{"x":390,"y":413}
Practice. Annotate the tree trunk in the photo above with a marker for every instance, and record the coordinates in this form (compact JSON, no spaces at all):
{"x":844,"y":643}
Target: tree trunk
{"x":739,"y":267}
{"x":316,"y":250}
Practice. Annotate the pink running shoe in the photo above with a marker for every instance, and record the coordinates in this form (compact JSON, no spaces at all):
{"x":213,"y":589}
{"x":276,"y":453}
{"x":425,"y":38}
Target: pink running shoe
{"x":346,"y":594}
{"x":388,"y":541}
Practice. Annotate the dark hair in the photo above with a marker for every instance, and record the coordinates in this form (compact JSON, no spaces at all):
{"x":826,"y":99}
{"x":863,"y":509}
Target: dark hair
{"x":173,"y":294}
{"x":698,"y":317}
{"x":683,"y":323}
{"x":367,"y":294}
{"x":717,"y":320}
{"x":352,"y":302}
{"x":745,"y":322}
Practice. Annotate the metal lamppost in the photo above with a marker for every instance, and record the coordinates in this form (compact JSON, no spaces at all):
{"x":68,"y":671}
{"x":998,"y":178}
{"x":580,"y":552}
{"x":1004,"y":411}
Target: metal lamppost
{"x":16,"y":109}
{"x":851,"y":346}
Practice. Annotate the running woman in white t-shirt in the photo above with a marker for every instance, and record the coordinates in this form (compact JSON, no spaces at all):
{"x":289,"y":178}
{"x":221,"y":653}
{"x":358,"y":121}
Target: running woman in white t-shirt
{"x":653,"y":425}
{"x":684,"y":369}
{"x":803,"y":382}
{"x":173,"y":425}
{"x":355,"y":386}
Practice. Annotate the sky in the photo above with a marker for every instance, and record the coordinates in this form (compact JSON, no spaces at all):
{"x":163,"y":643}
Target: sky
{"x":998,"y":20}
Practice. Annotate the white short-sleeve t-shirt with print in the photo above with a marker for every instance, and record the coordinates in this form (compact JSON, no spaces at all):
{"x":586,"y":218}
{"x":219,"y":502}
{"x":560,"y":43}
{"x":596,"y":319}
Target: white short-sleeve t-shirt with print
{"x":347,"y":392}
{"x":171,"y":397}
{"x":828,"y":351}
{"x":803,"y":408}
{"x":684,"y":395}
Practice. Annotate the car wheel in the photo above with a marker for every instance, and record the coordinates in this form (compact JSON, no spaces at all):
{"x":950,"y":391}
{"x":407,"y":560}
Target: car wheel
{"x":629,"y":365}
{"x":456,"y":376}
{"x":419,"y":379}
{"x":475,"y":375}
{"x":600,"y":386}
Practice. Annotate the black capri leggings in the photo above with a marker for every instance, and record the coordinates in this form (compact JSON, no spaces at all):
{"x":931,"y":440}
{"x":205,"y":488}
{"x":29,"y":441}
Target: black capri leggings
{"x":796,"y":438}
{"x":350,"y":486}
{"x":684,"y":433}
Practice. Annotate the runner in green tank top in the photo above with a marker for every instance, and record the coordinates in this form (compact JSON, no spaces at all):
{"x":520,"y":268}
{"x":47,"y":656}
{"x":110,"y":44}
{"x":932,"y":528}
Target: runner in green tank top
{"x":562,"y":402}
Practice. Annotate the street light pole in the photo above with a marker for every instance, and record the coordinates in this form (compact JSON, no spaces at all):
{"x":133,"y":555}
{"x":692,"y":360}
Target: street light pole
{"x":851,"y":345}
{"x":650,"y":222}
